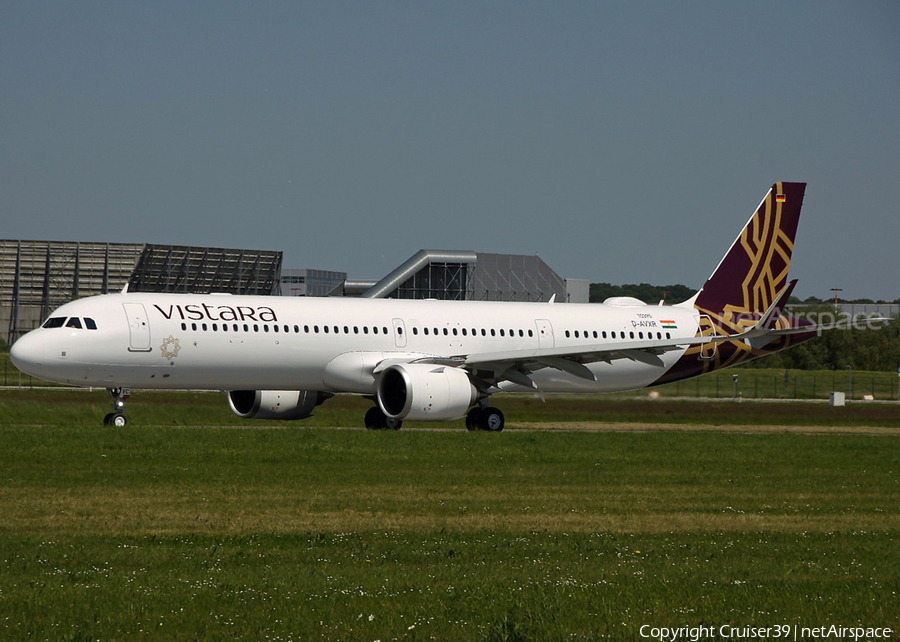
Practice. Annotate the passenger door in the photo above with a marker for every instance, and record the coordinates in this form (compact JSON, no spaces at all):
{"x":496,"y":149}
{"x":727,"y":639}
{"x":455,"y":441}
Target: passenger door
{"x":138,"y":327}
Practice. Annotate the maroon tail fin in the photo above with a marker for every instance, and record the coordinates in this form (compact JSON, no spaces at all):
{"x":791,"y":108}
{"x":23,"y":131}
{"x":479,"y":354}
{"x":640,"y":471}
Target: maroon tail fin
{"x":754,"y":271}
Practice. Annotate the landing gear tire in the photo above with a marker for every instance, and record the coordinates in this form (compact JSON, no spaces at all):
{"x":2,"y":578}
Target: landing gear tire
{"x":377,"y":420}
{"x":491,"y":419}
{"x":114,"y":419}
{"x":473,"y":419}
{"x":488,"y":419}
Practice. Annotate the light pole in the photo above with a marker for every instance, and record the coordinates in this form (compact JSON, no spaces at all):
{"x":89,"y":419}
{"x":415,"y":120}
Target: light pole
{"x":836,"y":290}
{"x":850,"y":382}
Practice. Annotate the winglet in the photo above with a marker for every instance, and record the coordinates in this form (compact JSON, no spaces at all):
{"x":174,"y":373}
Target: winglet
{"x":770,"y":318}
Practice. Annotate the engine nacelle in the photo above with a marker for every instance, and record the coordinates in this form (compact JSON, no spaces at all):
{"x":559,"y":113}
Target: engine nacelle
{"x":422,"y":392}
{"x":275,"y":404}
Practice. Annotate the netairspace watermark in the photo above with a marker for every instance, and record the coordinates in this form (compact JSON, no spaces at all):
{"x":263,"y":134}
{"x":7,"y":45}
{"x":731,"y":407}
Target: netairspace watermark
{"x":821,"y":321}
{"x":793,"y":632}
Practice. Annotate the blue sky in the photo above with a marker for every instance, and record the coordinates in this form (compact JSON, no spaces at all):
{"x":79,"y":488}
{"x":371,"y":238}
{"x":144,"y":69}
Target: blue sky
{"x":622,"y":142}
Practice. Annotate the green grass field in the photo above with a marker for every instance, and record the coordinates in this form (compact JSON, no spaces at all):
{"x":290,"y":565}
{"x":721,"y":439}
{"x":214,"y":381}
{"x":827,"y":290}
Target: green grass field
{"x":172,"y":529}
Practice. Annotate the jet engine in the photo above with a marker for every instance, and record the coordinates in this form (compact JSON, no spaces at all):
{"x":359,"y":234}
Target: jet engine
{"x":422,"y":392}
{"x":275,"y":404}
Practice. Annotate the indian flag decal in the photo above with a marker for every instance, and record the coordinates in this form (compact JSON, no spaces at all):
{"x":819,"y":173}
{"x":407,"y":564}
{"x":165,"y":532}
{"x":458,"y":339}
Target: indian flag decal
{"x":668,"y":325}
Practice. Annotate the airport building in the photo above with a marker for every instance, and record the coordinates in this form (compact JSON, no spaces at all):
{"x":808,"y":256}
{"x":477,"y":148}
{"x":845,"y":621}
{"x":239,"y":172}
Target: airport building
{"x":38,"y":276}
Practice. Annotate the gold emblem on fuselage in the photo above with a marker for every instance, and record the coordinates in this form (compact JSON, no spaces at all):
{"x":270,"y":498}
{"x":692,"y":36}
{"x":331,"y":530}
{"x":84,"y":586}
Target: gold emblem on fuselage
{"x":170,"y":347}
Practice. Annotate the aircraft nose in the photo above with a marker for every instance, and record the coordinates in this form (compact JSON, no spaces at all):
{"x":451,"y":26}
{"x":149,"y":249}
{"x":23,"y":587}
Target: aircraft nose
{"x":28,"y":353}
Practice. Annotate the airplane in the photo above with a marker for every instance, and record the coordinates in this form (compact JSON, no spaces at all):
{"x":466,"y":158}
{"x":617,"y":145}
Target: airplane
{"x":425,"y":360}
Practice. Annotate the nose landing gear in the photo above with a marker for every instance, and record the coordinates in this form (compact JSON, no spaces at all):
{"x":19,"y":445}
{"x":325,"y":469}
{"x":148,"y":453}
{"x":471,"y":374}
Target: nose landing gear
{"x":120,"y":396}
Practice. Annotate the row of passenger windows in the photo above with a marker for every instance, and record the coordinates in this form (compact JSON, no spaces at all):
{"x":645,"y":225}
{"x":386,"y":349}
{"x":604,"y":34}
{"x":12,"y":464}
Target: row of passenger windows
{"x":306,"y":329}
{"x":335,"y":329}
{"x":70,"y":322}
{"x":613,"y":335}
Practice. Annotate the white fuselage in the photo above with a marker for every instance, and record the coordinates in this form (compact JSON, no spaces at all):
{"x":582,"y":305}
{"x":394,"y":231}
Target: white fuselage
{"x":231,"y":342}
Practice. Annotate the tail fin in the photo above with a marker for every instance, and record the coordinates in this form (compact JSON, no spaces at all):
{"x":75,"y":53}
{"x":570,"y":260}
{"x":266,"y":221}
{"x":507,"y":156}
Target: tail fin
{"x":753,"y":274}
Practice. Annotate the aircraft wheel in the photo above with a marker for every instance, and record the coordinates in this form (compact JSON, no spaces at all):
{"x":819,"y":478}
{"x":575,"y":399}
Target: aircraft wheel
{"x":115,"y":419}
{"x":393,"y":424}
{"x":491,"y":419}
{"x":473,"y":419}
{"x":375,"y":419}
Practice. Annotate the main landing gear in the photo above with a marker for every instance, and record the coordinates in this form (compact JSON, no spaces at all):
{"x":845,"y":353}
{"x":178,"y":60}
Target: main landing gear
{"x":377,"y":420}
{"x":488,"y":418}
{"x":120,"y":396}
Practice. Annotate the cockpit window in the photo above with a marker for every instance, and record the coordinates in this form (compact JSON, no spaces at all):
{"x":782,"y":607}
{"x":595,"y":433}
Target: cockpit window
{"x":70,"y":322}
